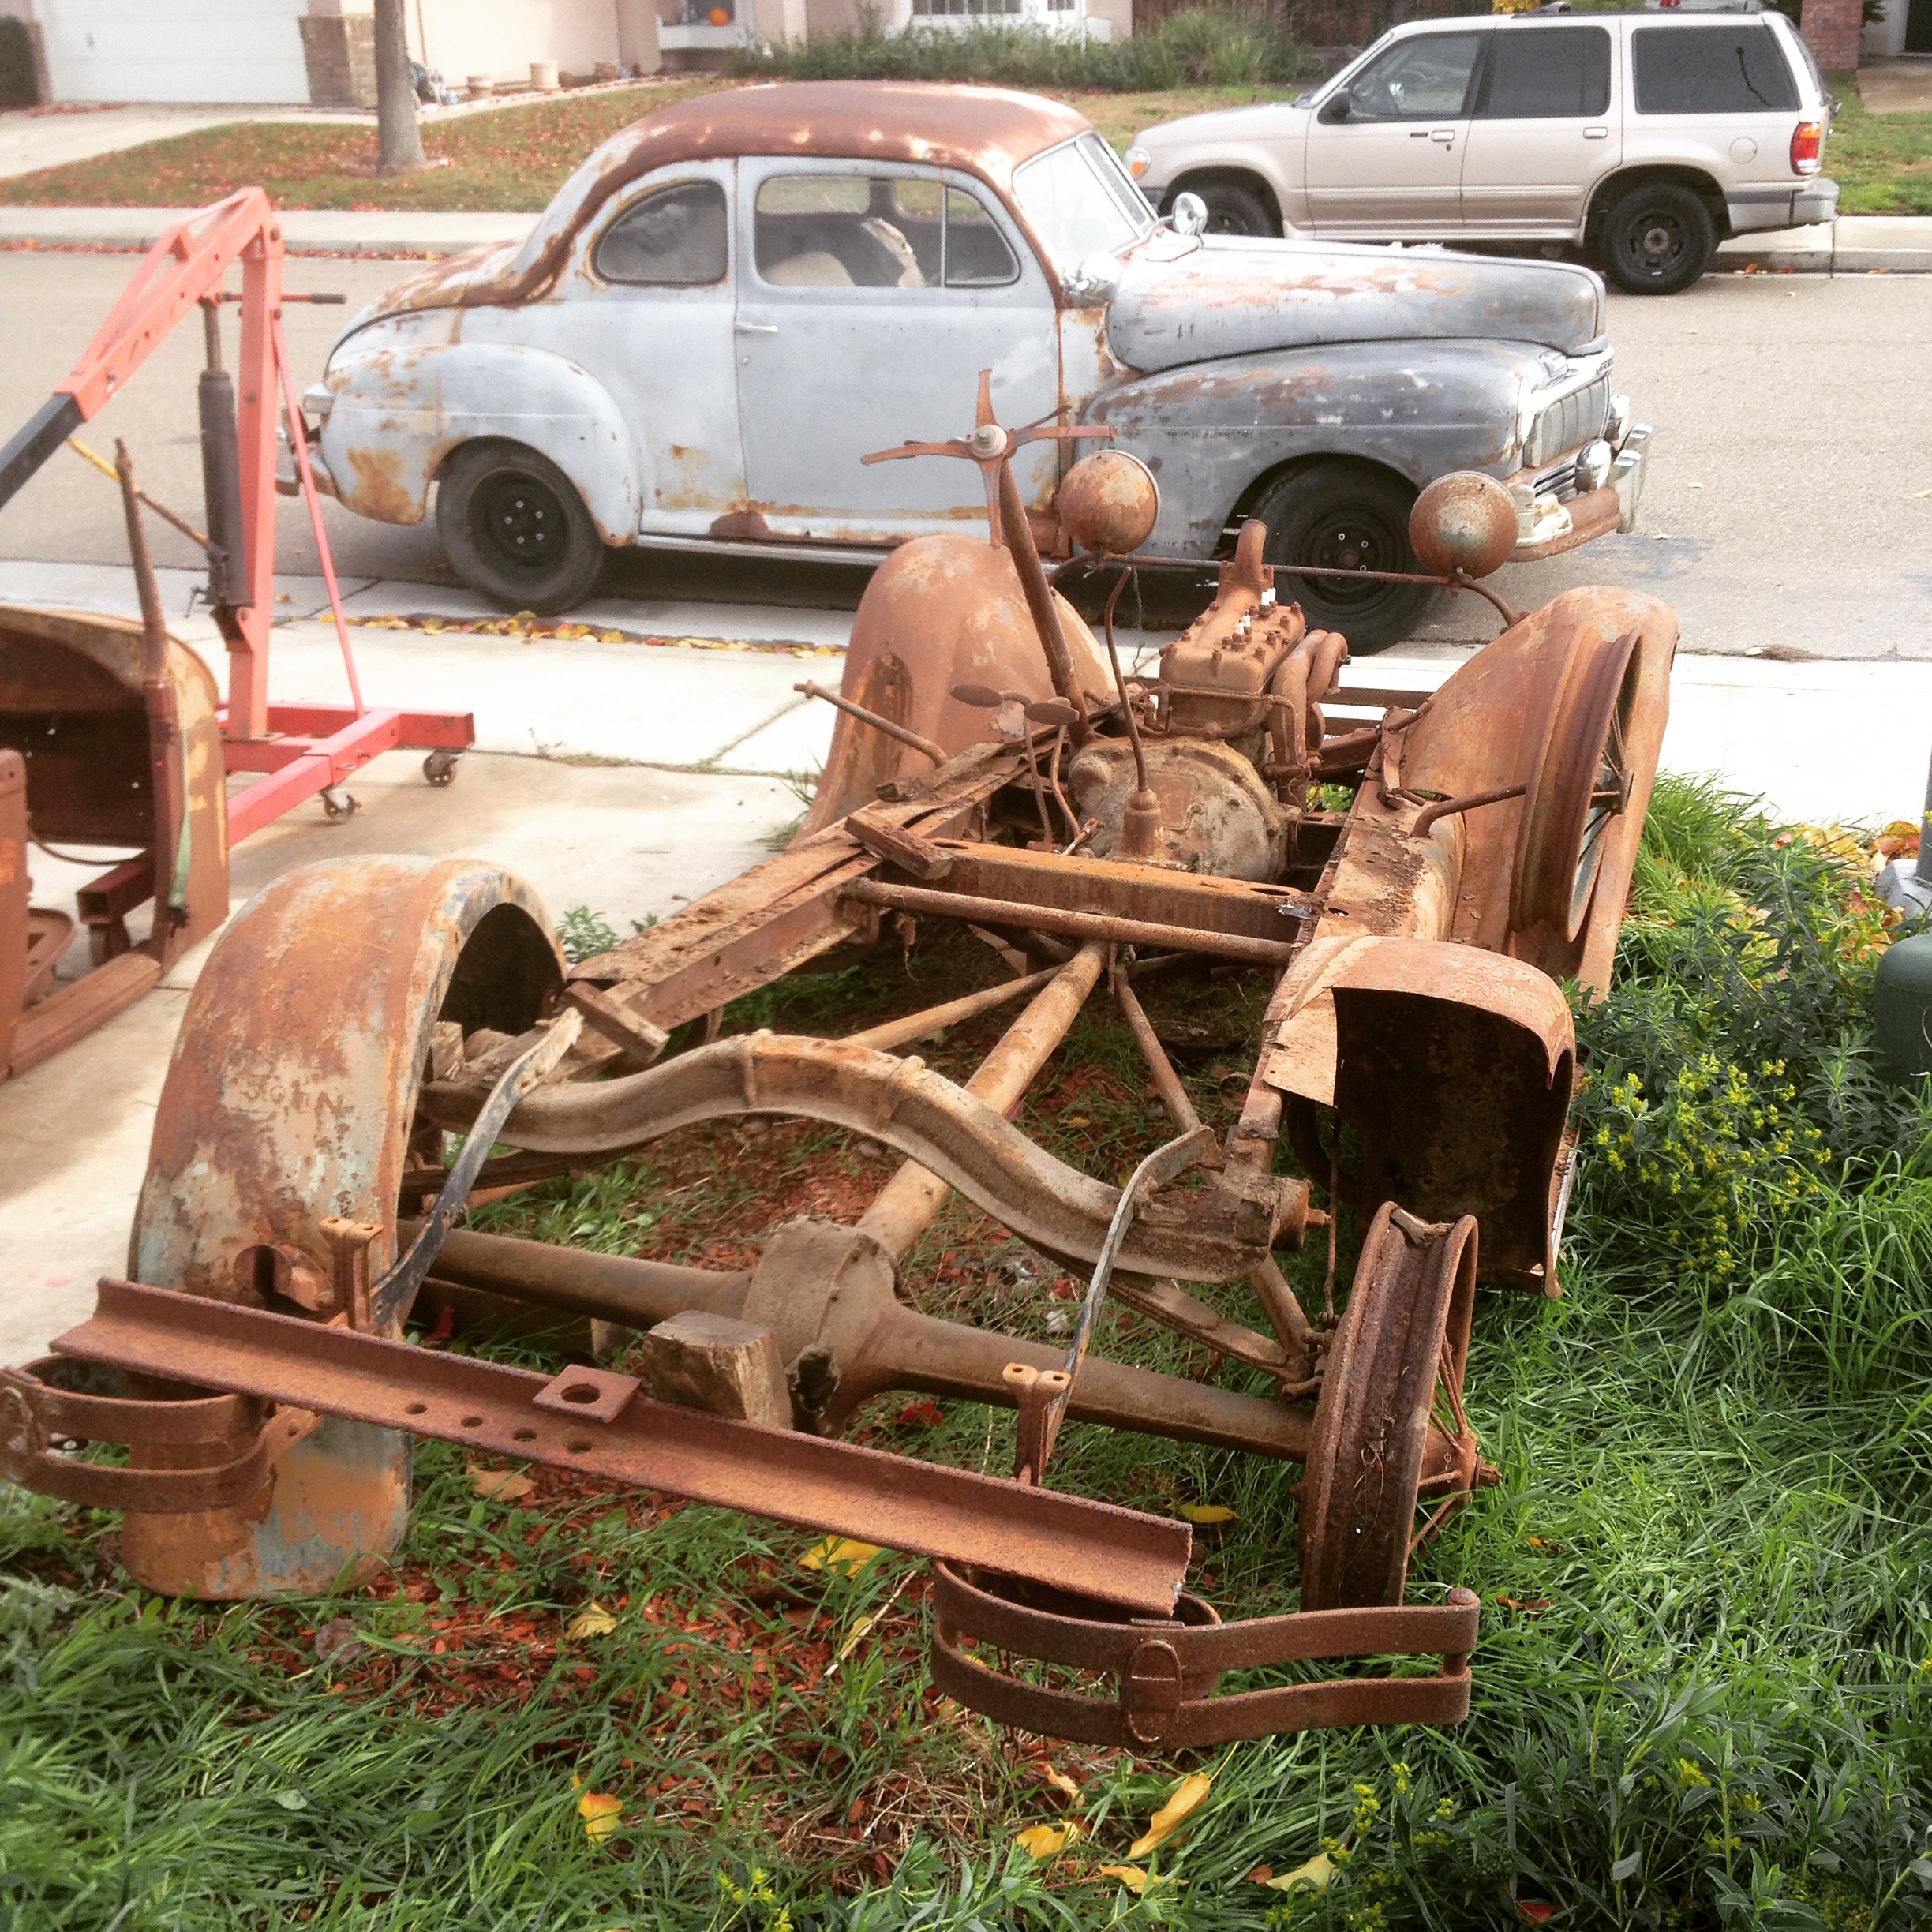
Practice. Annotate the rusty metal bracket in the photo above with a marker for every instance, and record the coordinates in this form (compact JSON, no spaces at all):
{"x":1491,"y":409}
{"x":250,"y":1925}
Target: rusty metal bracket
{"x":817,"y":1484}
{"x":1167,"y":1673}
{"x":389,"y":1299}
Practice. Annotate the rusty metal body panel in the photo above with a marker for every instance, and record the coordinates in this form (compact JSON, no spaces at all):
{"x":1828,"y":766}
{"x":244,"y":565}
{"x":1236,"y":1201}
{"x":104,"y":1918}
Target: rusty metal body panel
{"x":74,"y":706}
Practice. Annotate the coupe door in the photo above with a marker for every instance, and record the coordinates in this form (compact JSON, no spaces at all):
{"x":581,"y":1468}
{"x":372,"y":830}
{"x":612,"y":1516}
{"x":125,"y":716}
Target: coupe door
{"x":873,"y":295}
{"x":1393,"y":169}
{"x":1544,"y":131}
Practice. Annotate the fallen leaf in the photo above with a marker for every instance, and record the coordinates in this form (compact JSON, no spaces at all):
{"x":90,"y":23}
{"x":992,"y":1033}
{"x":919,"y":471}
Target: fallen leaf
{"x":595,"y":1621}
{"x":1530,"y":1606}
{"x":336,"y":1642}
{"x":500,"y":1485}
{"x":1075,"y":1120}
{"x":1047,"y":1840}
{"x":836,"y":1552}
{"x":1059,"y":1780}
{"x":1312,"y":1876}
{"x":1208,"y":1512}
{"x":1261,"y":1874}
{"x":1537,"y":1911}
{"x":602,"y":1812}
{"x":1130,"y":1875}
{"x":1185,"y":1799}
{"x":925,"y":1414}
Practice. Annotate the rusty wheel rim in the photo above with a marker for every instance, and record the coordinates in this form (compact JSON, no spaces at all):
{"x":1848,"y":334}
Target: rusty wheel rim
{"x":1390,"y":1437}
{"x":1580,"y":784}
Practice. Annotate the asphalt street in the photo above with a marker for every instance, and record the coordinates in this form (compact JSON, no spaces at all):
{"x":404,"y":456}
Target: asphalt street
{"x":1788,"y":509}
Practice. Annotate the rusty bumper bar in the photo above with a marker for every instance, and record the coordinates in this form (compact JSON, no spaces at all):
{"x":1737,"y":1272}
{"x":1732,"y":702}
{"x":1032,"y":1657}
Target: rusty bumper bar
{"x":614,"y":1431}
{"x":1207,"y":1234}
{"x":1166,"y":1673}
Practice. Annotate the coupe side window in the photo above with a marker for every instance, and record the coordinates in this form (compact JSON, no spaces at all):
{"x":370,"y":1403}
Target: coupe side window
{"x":1424,"y":79}
{"x":677,"y":237}
{"x":1547,"y":73}
{"x":1710,"y":70}
{"x":876,"y":231}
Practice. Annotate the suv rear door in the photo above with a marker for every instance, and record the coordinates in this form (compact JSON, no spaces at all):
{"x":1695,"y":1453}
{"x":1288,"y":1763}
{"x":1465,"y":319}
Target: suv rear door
{"x":1720,"y":91}
{"x":1393,"y":169}
{"x":1547,"y":126}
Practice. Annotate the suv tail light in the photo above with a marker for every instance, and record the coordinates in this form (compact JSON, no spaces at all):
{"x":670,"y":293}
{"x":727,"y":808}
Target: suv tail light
{"x":1807,"y":144}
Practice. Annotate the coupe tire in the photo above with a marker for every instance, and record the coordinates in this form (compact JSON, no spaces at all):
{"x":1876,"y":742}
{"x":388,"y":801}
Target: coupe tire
{"x":1354,"y":518}
{"x":1657,"y":240}
{"x":1233,"y":209}
{"x":515,"y":529}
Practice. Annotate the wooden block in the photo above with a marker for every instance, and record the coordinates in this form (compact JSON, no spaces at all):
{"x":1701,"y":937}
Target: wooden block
{"x":702,"y":1360}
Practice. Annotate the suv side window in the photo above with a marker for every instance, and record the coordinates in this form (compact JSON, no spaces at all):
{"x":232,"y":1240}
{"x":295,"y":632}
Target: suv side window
{"x":1545,"y":74}
{"x":1425,"y":78}
{"x":674,"y":237}
{"x":1710,"y":70}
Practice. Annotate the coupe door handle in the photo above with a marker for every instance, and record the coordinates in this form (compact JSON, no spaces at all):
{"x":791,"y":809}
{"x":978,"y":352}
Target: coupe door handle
{"x":1596,"y":134}
{"x":756,"y":328}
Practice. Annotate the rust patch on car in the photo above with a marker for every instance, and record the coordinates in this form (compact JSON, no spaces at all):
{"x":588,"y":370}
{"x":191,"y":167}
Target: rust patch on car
{"x":378,"y":490}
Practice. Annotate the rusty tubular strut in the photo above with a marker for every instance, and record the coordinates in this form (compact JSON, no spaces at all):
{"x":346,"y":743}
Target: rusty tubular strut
{"x":780,"y":1473}
{"x":899,"y":1103}
{"x":1075,"y":925}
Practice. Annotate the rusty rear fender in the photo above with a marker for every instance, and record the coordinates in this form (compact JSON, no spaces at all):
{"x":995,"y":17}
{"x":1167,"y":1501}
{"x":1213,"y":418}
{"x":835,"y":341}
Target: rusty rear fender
{"x":401,"y":408}
{"x":1212,"y":430}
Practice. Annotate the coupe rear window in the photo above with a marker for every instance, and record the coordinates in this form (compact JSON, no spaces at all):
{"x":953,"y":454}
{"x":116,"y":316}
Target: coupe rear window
{"x":1710,"y":70}
{"x":677,"y":237}
{"x":1546,"y":74}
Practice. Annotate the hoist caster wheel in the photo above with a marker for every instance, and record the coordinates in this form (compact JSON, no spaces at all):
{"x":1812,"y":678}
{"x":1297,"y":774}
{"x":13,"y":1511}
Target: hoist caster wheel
{"x":439,"y":767}
{"x":338,"y":805}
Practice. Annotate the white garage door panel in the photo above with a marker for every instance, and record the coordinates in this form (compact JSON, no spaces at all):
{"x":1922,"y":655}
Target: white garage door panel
{"x":175,"y":50}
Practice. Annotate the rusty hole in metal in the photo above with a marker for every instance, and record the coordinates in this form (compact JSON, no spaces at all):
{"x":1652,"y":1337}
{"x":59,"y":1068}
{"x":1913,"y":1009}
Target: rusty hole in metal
{"x":417,"y":1409}
{"x":581,"y":1392}
{"x":523,"y":1435}
{"x":471,"y":1421}
{"x":578,"y":1448}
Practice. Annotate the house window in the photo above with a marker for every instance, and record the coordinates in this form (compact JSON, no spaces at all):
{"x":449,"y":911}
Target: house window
{"x":675,"y":237}
{"x":978,"y":9}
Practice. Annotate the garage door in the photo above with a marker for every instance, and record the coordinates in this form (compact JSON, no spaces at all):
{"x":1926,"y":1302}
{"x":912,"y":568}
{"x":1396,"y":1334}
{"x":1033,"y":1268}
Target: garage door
{"x":175,"y":50}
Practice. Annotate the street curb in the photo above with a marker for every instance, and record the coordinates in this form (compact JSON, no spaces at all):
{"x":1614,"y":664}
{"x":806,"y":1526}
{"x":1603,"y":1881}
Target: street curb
{"x":1852,"y":245}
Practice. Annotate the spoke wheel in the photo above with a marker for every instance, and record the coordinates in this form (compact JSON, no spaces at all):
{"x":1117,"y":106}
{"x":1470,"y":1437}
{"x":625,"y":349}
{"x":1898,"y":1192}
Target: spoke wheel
{"x":1392,"y":1453}
{"x":1582,"y":784}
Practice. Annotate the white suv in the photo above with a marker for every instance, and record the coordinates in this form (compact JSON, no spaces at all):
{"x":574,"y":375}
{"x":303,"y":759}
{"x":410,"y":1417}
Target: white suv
{"x":1644,"y":138}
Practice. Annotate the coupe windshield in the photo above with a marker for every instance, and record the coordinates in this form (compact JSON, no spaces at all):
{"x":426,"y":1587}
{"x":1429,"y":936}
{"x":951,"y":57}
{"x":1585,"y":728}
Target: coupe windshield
{"x":1080,"y":200}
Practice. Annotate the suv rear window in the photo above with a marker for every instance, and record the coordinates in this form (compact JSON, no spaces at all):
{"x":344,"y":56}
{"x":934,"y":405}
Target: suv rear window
{"x":1542,"y":73}
{"x":1710,"y":70}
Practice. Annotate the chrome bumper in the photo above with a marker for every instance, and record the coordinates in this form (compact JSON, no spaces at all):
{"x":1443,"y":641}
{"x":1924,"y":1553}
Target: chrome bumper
{"x":1552,"y":516}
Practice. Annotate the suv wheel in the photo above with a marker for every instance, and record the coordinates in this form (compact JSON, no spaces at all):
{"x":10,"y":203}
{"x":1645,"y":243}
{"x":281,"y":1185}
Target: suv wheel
{"x":1233,"y":209}
{"x":1352,"y":518}
{"x":1657,"y":239}
{"x":515,"y":529}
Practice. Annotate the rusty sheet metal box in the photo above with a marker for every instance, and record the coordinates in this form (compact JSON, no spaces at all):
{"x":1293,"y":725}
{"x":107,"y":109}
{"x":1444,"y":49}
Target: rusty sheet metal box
{"x":13,"y":898}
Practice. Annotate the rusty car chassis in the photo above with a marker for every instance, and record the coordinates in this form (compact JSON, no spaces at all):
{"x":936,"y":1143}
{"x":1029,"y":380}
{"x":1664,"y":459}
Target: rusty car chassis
{"x":992,"y":766}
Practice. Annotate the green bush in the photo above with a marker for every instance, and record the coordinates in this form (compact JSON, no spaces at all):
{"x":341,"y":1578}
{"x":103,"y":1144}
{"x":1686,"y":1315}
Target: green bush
{"x":1199,"y":46}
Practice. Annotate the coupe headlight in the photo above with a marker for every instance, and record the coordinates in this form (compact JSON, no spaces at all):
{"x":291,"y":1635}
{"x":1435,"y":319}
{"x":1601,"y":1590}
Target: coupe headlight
{"x":1592,"y":465}
{"x":1138,"y":162}
{"x":1618,"y":427}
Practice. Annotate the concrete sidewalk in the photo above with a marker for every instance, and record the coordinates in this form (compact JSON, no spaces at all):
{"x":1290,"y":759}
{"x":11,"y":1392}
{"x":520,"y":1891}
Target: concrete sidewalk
{"x":1853,"y":244}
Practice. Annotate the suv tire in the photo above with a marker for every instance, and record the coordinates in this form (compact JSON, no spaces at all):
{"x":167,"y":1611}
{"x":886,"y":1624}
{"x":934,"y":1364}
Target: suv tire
{"x":1350,"y":514}
{"x":515,"y":529}
{"x":1657,"y":239}
{"x":1233,"y":209}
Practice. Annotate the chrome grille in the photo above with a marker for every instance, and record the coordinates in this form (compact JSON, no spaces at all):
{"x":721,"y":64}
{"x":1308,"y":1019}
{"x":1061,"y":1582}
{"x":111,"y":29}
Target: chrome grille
{"x":1568,"y":420}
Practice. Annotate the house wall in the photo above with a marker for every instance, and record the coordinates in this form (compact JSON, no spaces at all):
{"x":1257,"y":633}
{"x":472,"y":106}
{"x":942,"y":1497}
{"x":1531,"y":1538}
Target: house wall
{"x":500,"y":38}
{"x":1834,"y":30}
{"x":1885,"y":37}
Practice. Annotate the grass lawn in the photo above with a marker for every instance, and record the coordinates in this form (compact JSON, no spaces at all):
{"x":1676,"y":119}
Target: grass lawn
{"x":514,"y":158}
{"x":1703,"y":1693}
{"x":1883,"y":162}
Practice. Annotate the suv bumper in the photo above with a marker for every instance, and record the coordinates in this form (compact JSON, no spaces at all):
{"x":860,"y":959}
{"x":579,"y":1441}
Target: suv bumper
{"x":1753,"y":209}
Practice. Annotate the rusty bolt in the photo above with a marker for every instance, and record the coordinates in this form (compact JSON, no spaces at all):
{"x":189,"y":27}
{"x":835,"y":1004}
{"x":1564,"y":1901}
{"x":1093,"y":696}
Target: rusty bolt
{"x":1463,"y":521}
{"x":1109,"y":503}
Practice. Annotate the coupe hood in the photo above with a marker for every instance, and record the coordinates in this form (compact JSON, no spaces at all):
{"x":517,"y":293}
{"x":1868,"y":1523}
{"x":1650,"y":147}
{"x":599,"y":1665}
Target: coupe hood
{"x":1236,"y":295}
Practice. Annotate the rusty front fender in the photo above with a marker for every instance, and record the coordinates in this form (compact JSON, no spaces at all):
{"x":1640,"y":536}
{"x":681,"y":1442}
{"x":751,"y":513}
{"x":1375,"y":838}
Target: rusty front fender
{"x":942,"y":611}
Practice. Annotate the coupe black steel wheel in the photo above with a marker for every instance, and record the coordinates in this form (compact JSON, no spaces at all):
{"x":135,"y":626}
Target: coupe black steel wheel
{"x":1233,"y":209}
{"x":515,"y":528}
{"x":1346,"y":517}
{"x":1658,"y":239}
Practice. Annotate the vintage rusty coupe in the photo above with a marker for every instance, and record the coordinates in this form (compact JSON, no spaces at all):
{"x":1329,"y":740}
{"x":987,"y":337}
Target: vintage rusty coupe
{"x":301,"y":1192}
